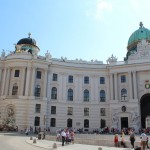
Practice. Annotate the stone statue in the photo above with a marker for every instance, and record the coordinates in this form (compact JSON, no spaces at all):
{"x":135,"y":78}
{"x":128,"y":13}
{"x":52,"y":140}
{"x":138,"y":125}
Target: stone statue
{"x":48,"y":55}
{"x":3,"y":54}
{"x":134,"y":117}
{"x":115,"y":120}
{"x":10,"y":112}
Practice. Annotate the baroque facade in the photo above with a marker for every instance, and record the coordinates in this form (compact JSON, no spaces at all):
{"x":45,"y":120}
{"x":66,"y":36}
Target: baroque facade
{"x":41,"y":91}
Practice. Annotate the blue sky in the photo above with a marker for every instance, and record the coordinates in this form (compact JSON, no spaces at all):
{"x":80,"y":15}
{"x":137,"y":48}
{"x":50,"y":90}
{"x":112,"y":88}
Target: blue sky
{"x":86,"y":29}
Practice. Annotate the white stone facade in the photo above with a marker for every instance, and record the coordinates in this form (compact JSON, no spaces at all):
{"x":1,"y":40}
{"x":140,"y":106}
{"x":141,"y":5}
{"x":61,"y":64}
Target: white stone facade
{"x":113,"y":108}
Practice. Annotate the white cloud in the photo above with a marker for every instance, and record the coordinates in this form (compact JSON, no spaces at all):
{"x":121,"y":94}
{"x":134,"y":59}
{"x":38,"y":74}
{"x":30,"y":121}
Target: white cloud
{"x":100,"y":8}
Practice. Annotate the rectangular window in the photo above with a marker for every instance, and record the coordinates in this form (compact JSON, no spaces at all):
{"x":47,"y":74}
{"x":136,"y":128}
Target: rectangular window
{"x":54,"y":77}
{"x":53,"y":109}
{"x":86,"y":80}
{"x":38,"y":74}
{"x":86,"y":111}
{"x":102,"y":112}
{"x":17,"y":73}
{"x":123,"y":79}
{"x":70,"y":79}
{"x":102,"y":80}
{"x":38,"y":108}
{"x":70,"y":111}
{"x":53,"y":122}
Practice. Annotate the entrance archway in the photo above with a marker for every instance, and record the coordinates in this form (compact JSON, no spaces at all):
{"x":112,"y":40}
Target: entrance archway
{"x":145,"y":109}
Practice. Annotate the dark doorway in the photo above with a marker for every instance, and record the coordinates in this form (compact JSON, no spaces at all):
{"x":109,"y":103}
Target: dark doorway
{"x":103,"y":123}
{"x":69,"y":123}
{"x":124,"y":122}
{"x":145,"y":107}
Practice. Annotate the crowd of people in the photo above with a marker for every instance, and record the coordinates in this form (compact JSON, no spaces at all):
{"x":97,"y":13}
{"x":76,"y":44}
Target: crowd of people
{"x":65,"y":135}
{"x":143,"y":143}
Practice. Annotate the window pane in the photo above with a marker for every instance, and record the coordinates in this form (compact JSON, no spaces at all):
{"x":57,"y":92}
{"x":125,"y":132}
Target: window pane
{"x":17,"y":73}
{"x":86,"y":123}
{"x":102,"y":80}
{"x":70,"y":111}
{"x":86,"y":95}
{"x":86,"y":80}
{"x":70,"y":95}
{"x":54,"y":93}
{"x":70,"y":79}
{"x":86,"y":111}
{"x":38,"y":108}
{"x":102,"y":111}
{"x":53,"y":109}
{"x":54,"y":77}
{"x":37,"y":91}
{"x":102,"y":96}
{"x":53,"y":122}
{"x":38,"y":75}
{"x":15,"y":89}
{"x":123,"y":79}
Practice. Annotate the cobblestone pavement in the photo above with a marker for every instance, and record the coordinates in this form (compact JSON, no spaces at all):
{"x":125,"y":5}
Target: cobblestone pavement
{"x":15,"y":141}
{"x":11,"y":141}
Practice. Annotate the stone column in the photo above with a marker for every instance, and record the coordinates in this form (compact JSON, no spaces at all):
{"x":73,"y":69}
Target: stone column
{"x":116,"y":89}
{"x":130,"y":85}
{"x":45,"y":83}
{"x":27,"y":81}
{"x":22,"y":81}
{"x":7,"y":81}
{"x":32,"y":81}
{"x":3,"y":81}
{"x":135,"y":84}
{"x":111,"y":87}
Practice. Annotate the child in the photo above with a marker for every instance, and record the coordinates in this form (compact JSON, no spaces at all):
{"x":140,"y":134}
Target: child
{"x":116,"y":140}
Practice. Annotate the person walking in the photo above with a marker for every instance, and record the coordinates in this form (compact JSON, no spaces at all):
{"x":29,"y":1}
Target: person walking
{"x":116,"y":140}
{"x":132,"y":138}
{"x":63,"y":135}
{"x":143,"y":140}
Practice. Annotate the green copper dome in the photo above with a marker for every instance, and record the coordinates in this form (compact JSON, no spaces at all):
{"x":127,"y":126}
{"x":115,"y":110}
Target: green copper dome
{"x":138,"y":35}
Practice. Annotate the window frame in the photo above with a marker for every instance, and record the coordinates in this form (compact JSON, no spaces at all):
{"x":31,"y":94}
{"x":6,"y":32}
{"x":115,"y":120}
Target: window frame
{"x":55,"y":77}
{"x":102,"y":80}
{"x":17,"y":73}
{"x":38,"y":108}
{"x":38,"y":74}
{"x":86,"y":80}
{"x":53,"y":110}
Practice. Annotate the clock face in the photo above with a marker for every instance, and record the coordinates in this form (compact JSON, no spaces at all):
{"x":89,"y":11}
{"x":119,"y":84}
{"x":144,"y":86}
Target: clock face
{"x":147,"y":86}
{"x":123,"y":108}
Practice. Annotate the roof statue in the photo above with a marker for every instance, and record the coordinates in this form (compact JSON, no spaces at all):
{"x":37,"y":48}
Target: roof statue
{"x":141,"y":25}
{"x":112,"y":59}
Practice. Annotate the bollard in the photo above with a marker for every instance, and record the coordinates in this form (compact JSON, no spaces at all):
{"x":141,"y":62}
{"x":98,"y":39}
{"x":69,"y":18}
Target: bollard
{"x":100,"y":148}
{"x":54,"y":146}
{"x":34,"y":140}
{"x":31,"y":138}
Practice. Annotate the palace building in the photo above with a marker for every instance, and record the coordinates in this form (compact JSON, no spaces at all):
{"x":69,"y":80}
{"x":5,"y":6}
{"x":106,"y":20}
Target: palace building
{"x":41,"y":91}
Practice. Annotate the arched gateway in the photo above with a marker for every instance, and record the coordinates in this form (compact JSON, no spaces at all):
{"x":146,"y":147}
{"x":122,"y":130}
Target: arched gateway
{"x":145,"y":109}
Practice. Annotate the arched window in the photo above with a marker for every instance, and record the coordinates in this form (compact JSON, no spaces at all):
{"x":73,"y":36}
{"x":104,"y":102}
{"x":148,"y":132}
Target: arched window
{"x":54,"y":93}
{"x":53,"y":122}
{"x":86,"y":123}
{"x":123,"y":94}
{"x":102,"y":96}
{"x":15,"y":89}
{"x":37,"y":91}
{"x":86,"y":95}
{"x":37,"y":121}
{"x":70,"y":95}
{"x":69,"y":123}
